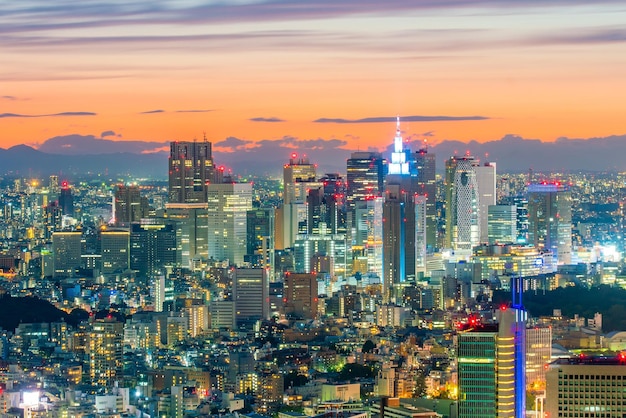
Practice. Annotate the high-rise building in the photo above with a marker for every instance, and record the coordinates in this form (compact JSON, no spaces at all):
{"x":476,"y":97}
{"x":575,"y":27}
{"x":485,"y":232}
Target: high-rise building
{"x":491,"y":365}
{"x":398,"y":241}
{"x":462,"y":204}
{"x":114,"y":251}
{"x":486,"y":182}
{"x":335,"y":201}
{"x":300,"y":296}
{"x":260,"y":238}
{"x":538,"y":356}
{"x":105,"y":351}
{"x":420,"y":210}
{"x":550,"y":219}
{"x":502,"y":224}
{"x":66,"y":200}
{"x":153,"y":246}
{"x":191,"y":169}
{"x":251,"y":296}
{"x":192,"y":224}
{"x":586,"y":387}
{"x":227,"y":228}
{"x":365,"y":180}
{"x":375,"y":230}
{"x":66,"y":251}
{"x":425,"y":164}
{"x":130,"y":206}
{"x":298,"y":176}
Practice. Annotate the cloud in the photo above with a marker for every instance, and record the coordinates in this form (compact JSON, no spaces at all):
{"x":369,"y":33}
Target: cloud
{"x":90,"y":145}
{"x":148,"y":112}
{"x":390,"y":119}
{"x":195,"y":111}
{"x":8,"y":97}
{"x":232,"y":144}
{"x":18,"y":115}
{"x":109,"y":133}
{"x":262,"y":119}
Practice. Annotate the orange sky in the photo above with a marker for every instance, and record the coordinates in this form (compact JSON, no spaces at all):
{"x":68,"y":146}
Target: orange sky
{"x":537,"y":71}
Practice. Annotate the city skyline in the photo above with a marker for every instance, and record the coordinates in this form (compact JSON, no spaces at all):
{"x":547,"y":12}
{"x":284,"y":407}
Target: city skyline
{"x":316,"y":74}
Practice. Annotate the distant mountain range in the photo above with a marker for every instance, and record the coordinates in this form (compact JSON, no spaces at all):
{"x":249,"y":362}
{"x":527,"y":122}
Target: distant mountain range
{"x":72,"y":155}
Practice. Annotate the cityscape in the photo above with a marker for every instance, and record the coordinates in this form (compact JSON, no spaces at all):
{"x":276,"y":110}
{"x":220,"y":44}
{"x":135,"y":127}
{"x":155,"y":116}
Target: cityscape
{"x":312,"y":209}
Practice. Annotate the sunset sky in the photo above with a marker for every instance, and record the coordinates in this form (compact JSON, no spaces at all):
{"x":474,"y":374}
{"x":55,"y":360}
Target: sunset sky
{"x":267,"y":69}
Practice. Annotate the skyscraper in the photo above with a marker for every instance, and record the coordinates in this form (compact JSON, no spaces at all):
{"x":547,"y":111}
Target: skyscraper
{"x":491,"y":365}
{"x":105,"y":351}
{"x":153,"y":246}
{"x":191,"y":169}
{"x":486,"y":182}
{"x":66,"y":249}
{"x":227,"y":228}
{"x":260,"y":238}
{"x":192,"y":221}
{"x":130,"y":206}
{"x":502,"y":224}
{"x":251,"y":296}
{"x":365,"y":180}
{"x":66,"y":200}
{"x":425,"y":164}
{"x":550,"y":219}
{"x":462,"y":204}
{"x":300,"y":295}
{"x":298,"y":176}
{"x":114,"y":251}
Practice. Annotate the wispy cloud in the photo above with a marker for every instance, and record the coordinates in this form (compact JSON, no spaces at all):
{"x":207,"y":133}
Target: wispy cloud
{"x":261,"y":119}
{"x":149,"y":112}
{"x":391,"y":119}
{"x":8,"y":97}
{"x":19,"y":115}
{"x":195,"y":111}
{"x":109,"y":133}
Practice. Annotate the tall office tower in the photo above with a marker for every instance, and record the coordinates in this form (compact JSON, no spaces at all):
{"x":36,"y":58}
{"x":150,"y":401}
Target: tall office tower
{"x":153,"y":246}
{"x":114,"y":251}
{"x":251,"y":297}
{"x":192,"y":224}
{"x":427,"y":186}
{"x":130,"y":206}
{"x":586,"y":387}
{"x":335,"y":199}
{"x":550,"y":219}
{"x":398,"y":239}
{"x":53,"y":189}
{"x":66,"y":253}
{"x":228,"y":206}
{"x":52,"y":218}
{"x":502,"y":224}
{"x":260,"y":238}
{"x":191,"y":169}
{"x":491,"y":383}
{"x":462,"y":204}
{"x":105,"y":351}
{"x":317,"y":212}
{"x":521,"y":202}
{"x":486,"y":181}
{"x":420,"y":205}
{"x":300,"y":298}
{"x":66,"y":200}
{"x":375,"y":231}
{"x":365,"y":180}
{"x":538,"y":356}
{"x":298,"y":176}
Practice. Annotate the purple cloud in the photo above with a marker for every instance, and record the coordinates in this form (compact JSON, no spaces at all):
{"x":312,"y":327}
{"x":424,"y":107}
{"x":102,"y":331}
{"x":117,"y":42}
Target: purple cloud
{"x":149,"y":112}
{"x":261,"y":119}
{"x":18,"y":115}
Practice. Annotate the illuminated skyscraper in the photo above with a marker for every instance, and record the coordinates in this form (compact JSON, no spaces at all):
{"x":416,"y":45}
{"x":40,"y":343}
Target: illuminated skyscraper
{"x":105,"y":351}
{"x":191,"y":169}
{"x":298,"y":176}
{"x":491,"y":366}
{"x":427,"y":187}
{"x":153,"y":246}
{"x":192,"y":221}
{"x":228,"y":206}
{"x":67,"y":250}
{"x":300,"y":296}
{"x":251,"y":296}
{"x":66,"y":200}
{"x":130,"y":206}
{"x":502,"y":224}
{"x":486,"y":182}
{"x":365,"y":180}
{"x":374,"y":245}
{"x":462,"y":204}
{"x":114,"y":251}
{"x":550,"y":219}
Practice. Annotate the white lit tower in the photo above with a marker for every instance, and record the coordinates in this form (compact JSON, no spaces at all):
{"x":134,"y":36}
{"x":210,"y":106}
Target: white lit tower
{"x":462,"y":204}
